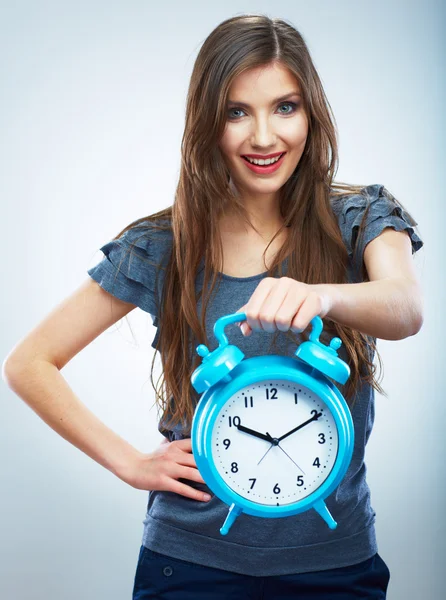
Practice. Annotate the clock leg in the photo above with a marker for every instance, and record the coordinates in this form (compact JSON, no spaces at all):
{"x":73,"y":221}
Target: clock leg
{"x":233,"y":513}
{"x":321,"y":508}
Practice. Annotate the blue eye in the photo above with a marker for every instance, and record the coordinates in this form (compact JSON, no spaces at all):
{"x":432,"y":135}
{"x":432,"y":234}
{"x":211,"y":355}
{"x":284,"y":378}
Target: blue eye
{"x":293,"y":106}
{"x":229,"y":116}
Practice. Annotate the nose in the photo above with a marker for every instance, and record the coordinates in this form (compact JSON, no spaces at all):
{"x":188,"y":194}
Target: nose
{"x":263,"y":135}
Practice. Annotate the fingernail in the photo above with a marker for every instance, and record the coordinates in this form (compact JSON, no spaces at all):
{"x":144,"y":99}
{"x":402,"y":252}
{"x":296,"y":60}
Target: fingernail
{"x":206,"y":497}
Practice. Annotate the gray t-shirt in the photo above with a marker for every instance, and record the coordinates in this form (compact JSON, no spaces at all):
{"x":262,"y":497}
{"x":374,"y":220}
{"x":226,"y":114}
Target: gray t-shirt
{"x":190,"y":529}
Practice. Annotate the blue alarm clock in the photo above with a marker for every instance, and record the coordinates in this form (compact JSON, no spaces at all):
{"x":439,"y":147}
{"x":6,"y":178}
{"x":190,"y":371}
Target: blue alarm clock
{"x":272,"y":436}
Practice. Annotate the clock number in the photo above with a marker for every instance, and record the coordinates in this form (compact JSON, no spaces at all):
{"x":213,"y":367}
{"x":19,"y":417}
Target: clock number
{"x":253,"y":482}
{"x":300,"y":480}
{"x":314,"y":412}
{"x":226,"y":443}
{"x":234,"y":467}
{"x":273,"y":394}
{"x":276,"y":489}
{"x":322,"y":436}
{"x":295,"y":397}
{"x":235,"y":420}
{"x":251,"y":402}
{"x":316,"y":462}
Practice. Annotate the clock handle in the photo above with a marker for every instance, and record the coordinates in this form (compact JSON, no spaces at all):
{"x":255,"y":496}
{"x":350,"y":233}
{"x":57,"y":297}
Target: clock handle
{"x":222,"y":322}
{"x":316,"y":328}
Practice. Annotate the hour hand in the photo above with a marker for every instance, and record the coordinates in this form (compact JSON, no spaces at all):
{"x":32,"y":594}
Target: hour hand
{"x":257,"y":434}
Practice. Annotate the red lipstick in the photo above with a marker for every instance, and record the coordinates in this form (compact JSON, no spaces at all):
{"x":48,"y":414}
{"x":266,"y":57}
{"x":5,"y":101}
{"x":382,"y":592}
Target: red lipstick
{"x":264,"y":156}
{"x":265,"y":169}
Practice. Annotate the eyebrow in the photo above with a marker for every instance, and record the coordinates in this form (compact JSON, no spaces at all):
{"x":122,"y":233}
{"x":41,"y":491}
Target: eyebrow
{"x":285,"y":97}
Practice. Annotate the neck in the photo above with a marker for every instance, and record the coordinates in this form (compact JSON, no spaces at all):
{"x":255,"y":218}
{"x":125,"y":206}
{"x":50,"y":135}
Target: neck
{"x":263,"y":213}
{"x":266,"y":227}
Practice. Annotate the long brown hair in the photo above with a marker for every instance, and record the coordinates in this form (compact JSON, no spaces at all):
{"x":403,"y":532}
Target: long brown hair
{"x":314,"y":247}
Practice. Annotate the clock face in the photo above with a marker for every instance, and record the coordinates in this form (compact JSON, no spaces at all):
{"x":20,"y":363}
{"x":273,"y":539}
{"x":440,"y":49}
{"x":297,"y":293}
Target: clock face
{"x":274,"y":442}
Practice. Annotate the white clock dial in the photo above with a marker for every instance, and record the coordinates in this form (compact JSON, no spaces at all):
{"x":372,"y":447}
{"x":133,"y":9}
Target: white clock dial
{"x":289,"y":469}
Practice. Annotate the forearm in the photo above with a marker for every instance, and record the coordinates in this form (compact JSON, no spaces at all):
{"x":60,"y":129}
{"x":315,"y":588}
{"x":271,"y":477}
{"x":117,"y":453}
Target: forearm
{"x":390,"y":309}
{"x":41,"y":385}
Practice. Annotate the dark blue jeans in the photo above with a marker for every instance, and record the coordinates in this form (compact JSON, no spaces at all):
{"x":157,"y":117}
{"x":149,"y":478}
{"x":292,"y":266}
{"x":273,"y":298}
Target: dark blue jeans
{"x":164,"y":578}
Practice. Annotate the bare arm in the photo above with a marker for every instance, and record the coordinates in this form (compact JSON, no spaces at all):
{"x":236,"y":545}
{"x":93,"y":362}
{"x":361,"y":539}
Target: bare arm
{"x":45,"y":390}
{"x":32,"y":371}
{"x":389,"y":309}
{"x":390,"y":305}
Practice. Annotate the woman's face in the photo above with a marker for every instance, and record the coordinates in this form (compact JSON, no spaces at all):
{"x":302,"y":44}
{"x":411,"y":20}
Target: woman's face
{"x":259,"y":123}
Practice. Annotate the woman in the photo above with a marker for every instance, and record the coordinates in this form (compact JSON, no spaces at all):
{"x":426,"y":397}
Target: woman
{"x":282,"y":242}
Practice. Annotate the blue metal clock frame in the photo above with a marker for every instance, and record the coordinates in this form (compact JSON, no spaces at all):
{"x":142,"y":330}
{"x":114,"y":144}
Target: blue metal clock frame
{"x":224,"y":372}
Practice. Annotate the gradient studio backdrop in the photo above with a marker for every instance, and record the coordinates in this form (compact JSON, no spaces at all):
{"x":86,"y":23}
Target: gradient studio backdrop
{"x":92,"y":113}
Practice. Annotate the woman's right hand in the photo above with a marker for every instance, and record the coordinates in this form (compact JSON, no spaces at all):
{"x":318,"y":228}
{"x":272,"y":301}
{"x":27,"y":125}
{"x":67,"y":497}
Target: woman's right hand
{"x":161,"y":469}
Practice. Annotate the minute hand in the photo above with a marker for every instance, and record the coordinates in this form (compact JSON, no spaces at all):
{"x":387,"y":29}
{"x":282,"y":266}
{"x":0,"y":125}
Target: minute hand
{"x":313,"y":418}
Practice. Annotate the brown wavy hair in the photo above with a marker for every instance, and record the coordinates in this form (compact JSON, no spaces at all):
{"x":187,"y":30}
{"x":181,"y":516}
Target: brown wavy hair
{"x":314,"y":247}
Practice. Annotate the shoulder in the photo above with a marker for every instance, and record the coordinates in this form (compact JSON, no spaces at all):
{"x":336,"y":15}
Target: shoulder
{"x":365,"y":213}
{"x":351,"y":203}
{"x":371,"y":208}
{"x":146,"y":234}
{"x":142,"y":243}
{"x":129,"y":269}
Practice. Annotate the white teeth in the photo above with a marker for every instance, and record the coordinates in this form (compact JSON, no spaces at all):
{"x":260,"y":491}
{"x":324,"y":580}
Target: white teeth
{"x":260,"y":161}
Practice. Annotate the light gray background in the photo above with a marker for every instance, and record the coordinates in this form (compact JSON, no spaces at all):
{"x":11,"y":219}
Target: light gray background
{"x":91,"y":119}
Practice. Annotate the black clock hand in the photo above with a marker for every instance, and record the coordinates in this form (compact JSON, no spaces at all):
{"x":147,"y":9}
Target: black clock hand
{"x":313,"y":418}
{"x":262,"y":436}
{"x":257,"y":434}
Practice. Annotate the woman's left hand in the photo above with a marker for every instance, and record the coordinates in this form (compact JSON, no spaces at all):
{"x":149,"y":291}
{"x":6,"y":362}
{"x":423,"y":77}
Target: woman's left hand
{"x":284,"y":303}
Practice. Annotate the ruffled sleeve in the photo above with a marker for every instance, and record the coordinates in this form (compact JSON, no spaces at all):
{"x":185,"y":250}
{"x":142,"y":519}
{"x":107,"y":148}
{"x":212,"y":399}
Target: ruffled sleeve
{"x":383,"y":211}
{"x":128,"y":269}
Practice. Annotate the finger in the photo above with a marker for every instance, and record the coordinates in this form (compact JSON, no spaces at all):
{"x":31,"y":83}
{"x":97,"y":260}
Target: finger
{"x":191,"y":473}
{"x":183,"y":452}
{"x":186,"y":490}
{"x":186,"y":459}
{"x":179,"y":463}
{"x":289,"y":309}
{"x":241,"y":309}
{"x":242,"y":325}
{"x":246,"y":329}
{"x":185,"y":444}
{"x":310,"y":307}
{"x":255,"y":303}
{"x":274,"y":301}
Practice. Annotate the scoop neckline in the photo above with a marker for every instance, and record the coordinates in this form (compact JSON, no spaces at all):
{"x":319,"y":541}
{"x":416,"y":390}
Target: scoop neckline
{"x":233,"y":278}
{"x":250,"y":278}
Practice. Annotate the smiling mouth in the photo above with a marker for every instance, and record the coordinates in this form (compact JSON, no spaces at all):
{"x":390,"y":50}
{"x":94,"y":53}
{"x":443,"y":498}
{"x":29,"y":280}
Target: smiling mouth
{"x":275,"y":159}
